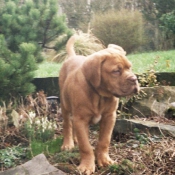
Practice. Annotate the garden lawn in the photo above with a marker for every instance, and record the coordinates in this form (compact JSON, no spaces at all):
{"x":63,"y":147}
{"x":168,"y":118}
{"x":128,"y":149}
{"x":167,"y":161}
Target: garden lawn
{"x":160,"y":61}
{"x":165,"y":61}
{"x":48,"y":69}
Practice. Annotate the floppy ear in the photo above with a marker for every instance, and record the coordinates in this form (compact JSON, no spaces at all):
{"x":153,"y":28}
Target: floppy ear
{"x":92,"y":69}
{"x":118,"y":48}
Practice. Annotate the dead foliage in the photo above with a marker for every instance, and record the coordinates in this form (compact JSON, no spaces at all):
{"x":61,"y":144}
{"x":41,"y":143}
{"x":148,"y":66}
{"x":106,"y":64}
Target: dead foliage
{"x":156,"y":157}
{"x":12,"y":120}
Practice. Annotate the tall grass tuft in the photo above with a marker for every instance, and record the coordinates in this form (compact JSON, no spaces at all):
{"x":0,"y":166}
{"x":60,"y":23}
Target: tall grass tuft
{"x":86,"y":44}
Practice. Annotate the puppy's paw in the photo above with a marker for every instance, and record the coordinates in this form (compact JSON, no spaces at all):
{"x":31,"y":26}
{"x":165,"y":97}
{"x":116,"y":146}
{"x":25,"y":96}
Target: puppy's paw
{"x":67,"y":147}
{"x":104,"y":160}
{"x":87,"y":169}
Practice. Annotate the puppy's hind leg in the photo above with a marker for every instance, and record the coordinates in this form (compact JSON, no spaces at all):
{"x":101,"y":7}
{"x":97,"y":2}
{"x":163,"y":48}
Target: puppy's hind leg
{"x":68,"y":142}
{"x":87,"y":164}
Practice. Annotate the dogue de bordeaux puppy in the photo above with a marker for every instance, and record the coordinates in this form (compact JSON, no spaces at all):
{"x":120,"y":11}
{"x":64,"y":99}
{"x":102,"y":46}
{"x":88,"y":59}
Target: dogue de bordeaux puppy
{"x":90,"y":87}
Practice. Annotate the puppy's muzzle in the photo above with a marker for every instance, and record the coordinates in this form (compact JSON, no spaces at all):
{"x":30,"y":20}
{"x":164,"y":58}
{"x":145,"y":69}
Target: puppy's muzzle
{"x":134,"y":82}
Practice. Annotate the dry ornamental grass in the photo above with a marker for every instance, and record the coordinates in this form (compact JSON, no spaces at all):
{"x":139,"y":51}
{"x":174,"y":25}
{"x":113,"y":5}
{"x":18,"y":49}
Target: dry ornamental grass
{"x":85,"y":44}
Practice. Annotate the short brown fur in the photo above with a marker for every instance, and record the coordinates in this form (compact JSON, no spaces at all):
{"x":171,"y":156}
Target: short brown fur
{"x":90,"y":87}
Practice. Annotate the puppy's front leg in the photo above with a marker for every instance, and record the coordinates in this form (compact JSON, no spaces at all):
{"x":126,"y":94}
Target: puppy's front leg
{"x":102,"y":150}
{"x":87,"y":164}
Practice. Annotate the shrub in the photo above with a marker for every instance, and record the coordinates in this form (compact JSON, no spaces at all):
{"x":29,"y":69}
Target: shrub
{"x":124,"y":28}
{"x":16,"y":70}
{"x":26,"y":28}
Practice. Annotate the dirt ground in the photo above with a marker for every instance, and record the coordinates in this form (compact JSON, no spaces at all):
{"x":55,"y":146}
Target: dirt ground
{"x":151,"y":155}
{"x":134,"y":153}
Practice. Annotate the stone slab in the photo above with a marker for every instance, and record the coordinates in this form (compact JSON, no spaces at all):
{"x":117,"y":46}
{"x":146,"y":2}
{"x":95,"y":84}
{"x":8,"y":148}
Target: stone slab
{"x":37,"y":166}
{"x":128,"y":125}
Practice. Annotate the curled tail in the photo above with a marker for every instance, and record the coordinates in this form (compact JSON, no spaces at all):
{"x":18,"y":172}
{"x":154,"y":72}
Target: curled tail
{"x":70,"y":46}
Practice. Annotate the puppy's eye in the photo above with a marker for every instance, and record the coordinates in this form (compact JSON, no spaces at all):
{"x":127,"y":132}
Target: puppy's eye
{"x":116,"y":71}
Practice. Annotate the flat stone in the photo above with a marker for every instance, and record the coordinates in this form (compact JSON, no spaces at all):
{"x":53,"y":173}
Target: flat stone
{"x":37,"y":166}
{"x":156,"y":102}
{"x":128,"y":125}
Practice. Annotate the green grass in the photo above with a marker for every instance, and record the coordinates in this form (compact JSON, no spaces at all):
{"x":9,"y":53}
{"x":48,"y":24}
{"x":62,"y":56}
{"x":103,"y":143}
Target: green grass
{"x":48,"y":69}
{"x":141,"y":62}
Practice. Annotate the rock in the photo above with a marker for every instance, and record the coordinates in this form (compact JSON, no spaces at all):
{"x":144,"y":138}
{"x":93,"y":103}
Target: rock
{"x":172,"y":105}
{"x":128,"y":125}
{"x":166,"y":78}
{"x":37,"y":166}
{"x":156,"y":102}
{"x":48,"y":84}
{"x":170,"y":112}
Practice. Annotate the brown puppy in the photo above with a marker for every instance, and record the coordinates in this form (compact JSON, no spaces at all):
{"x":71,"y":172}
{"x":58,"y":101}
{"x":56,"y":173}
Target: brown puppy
{"x":90,"y":87}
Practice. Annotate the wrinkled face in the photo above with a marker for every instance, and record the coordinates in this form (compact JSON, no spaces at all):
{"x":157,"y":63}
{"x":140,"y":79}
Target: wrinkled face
{"x":117,"y":77}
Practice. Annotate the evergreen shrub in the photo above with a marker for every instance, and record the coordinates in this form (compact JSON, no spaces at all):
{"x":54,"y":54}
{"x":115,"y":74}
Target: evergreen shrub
{"x":27,"y":28}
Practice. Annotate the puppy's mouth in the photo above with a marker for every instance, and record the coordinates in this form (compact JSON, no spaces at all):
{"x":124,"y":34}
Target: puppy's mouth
{"x":136,"y":90}
{"x":124,"y":93}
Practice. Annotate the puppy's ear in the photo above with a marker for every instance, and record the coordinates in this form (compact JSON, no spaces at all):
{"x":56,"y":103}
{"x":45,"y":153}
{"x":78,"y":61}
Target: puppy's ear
{"x":92,"y":69}
{"x":117,"y":48}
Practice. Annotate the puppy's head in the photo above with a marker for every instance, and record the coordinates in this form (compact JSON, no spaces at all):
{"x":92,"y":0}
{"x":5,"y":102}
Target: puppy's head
{"x":109,"y":72}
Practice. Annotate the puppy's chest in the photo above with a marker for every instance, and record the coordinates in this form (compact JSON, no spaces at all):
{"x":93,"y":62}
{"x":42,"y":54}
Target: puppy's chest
{"x":99,"y":108}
